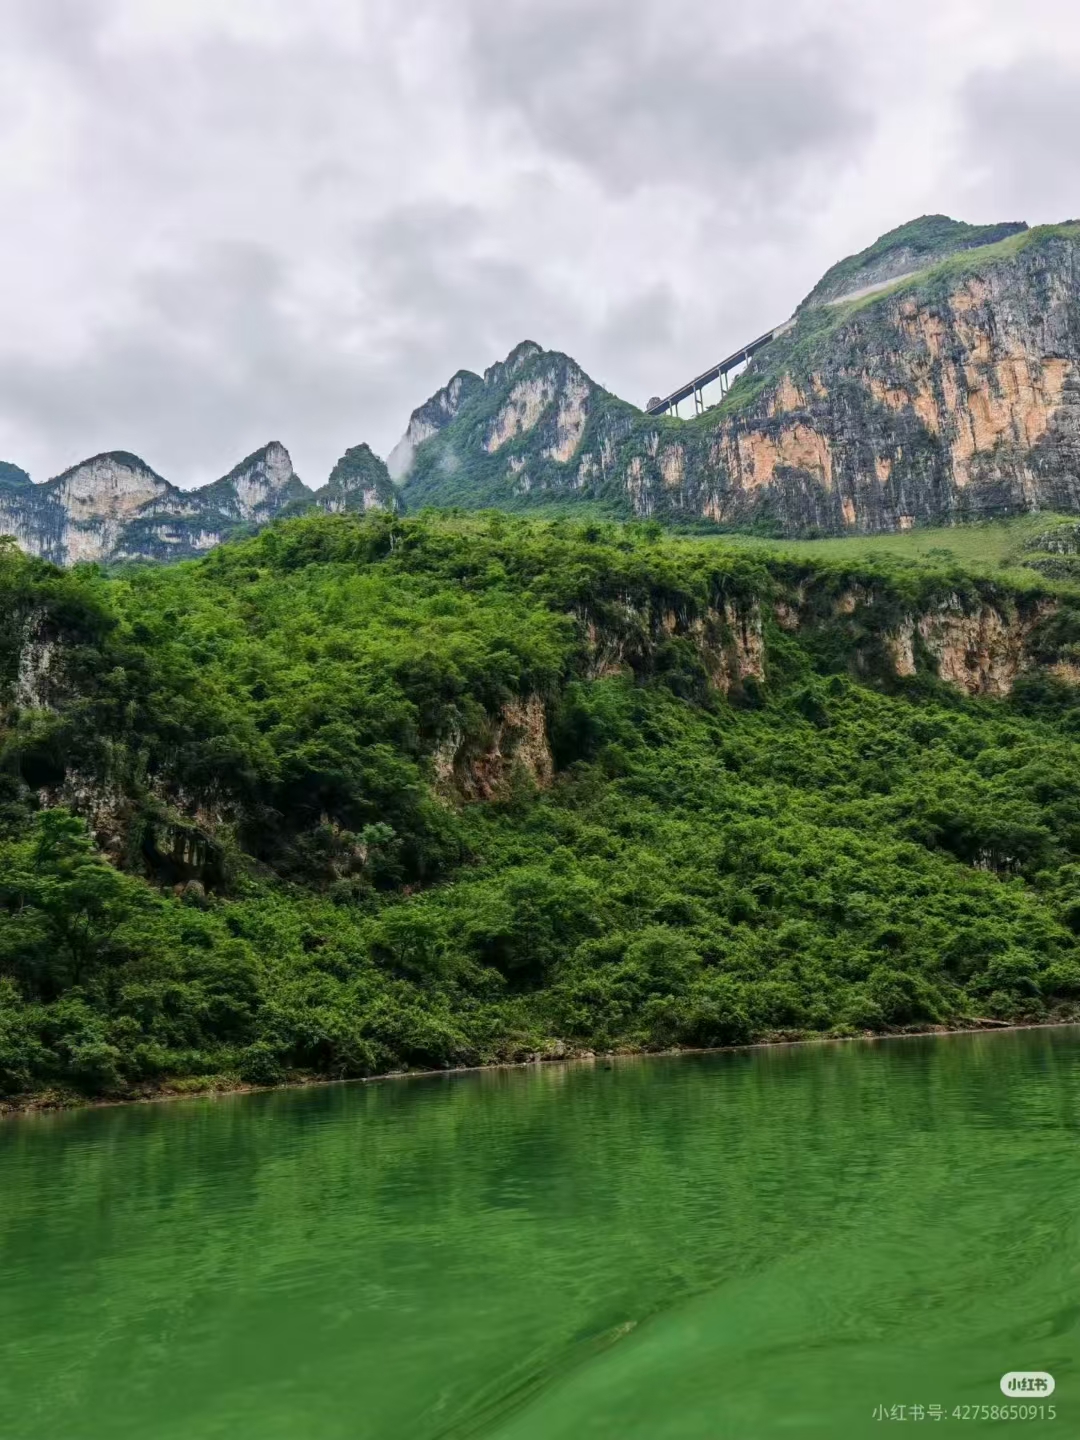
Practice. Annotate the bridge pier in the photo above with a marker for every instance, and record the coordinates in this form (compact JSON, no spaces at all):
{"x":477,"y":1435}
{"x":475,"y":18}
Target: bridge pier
{"x":721,"y":372}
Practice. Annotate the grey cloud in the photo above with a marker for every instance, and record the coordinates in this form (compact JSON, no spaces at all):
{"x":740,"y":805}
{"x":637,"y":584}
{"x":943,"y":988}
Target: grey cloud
{"x":62,"y":30}
{"x":204,"y":368}
{"x":690,"y":101}
{"x":1019,"y":132}
{"x":299,"y":226}
{"x":211,"y":361}
{"x":433,"y":277}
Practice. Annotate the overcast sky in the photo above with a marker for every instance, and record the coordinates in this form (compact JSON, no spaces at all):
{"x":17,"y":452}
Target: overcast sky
{"x":229,"y":221}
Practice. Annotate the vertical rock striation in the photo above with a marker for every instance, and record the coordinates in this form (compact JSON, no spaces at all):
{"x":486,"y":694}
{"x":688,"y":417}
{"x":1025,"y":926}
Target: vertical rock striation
{"x":115,"y":507}
{"x":932,"y":378}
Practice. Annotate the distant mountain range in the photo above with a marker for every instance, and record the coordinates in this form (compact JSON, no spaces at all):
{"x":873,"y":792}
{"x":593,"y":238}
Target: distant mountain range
{"x":114,"y":507}
{"x":933,"y":377}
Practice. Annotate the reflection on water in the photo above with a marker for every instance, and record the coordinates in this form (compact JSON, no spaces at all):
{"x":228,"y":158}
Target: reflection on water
{"x":746,"y":1245}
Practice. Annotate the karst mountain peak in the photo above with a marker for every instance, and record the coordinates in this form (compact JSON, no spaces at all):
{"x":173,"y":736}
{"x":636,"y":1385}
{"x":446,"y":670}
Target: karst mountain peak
{"x":929,"y":378}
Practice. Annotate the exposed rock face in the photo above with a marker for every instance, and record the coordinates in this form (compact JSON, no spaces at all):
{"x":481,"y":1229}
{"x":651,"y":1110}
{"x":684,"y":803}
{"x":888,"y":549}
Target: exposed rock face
{"x":952,"y":393}
{"x":980,"y":652}
{"x":948,"y":398}
{"x":744,"y":651}
{"x":115,"y":507}
{"x":38,"y":678}
{"x":360,"y":481}
{"x":955,"y":400}
{"x":518,"y":740}
{"x":431,"y":417}
{"x":535,"y":426}
{"x":728,"y":638}
{"x":525,"y":404}
{"x":81,"y":514}
{"x":257,"y":489}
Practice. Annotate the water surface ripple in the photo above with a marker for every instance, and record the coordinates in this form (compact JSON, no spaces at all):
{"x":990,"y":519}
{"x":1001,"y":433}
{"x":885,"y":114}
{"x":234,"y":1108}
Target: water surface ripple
{"x":769,"y":1243}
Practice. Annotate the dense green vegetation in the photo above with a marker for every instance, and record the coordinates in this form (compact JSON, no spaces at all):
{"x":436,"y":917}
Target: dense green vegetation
{"x":928,"y":239}
{"x":12,"y":477}
{"x":283,"y":874}
{"x":457,"y":466}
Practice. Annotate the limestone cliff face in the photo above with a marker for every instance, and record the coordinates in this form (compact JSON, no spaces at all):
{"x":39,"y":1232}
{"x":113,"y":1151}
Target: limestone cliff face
{"x":257,"y":489}
{"x":83,"y":513}
{"x":359,"y":482}
{"x":484,"y":767}
{"x":952,"y":397}
{"x":727,"y":639}
{"x":977,"y":642}
{"x":39,"y":678}
{"x":431,"y":417}
{"x":980,"y":652}
{"x":536,"y":426}
{"x":932,"y":378}
{"x":115,"y":507}
{"x":976,"y":639}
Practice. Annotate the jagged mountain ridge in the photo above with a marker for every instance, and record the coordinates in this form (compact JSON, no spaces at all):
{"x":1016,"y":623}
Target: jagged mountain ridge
{"x":931,"y":377}
{"x":534,"y":425}
{"x":896,"y":398}
{"x":431,"y":417}
{"x":114,"y":507}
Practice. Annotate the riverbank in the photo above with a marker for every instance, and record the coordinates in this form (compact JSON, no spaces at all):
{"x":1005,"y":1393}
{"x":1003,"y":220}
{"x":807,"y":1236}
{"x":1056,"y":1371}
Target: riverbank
{"x":223,"y":1086}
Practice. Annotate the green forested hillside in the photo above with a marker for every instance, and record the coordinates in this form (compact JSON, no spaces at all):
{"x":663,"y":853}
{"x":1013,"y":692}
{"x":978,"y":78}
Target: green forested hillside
{"x":360,"y":794}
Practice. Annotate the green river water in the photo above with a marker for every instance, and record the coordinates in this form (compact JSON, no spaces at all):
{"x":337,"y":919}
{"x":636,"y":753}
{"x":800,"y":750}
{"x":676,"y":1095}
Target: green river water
{"x":759,"y":1244}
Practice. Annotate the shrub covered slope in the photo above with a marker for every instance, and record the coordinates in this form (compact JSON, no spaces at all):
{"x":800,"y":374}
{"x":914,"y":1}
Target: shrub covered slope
{"x":361,"y":794}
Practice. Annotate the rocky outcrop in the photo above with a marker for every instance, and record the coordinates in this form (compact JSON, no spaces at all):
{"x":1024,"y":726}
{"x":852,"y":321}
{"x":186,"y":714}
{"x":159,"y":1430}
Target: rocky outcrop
{"x":933,"y":378}
{"x":256,"y":490}
{"x":115,"y":507}
{"x":535,"y":426}
{"x":483,"y":768}
{"x":38,"y":676}
{"x":980,"y":652}
{"x":81,"y":514}
{"x":728,"y":638}
{"x":952,"y":396}
{"x":431,"y":417}
{"x":359,"y":482}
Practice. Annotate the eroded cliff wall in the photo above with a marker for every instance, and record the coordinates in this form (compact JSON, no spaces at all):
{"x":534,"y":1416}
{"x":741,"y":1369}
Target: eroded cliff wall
{"x":946,"y":393}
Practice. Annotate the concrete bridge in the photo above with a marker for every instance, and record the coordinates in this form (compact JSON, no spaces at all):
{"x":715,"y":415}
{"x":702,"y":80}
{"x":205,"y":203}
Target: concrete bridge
{"x":720,"y":371}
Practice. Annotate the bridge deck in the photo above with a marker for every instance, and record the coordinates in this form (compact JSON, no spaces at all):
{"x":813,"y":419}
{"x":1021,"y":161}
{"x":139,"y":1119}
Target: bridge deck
{"x":714,"y":373}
